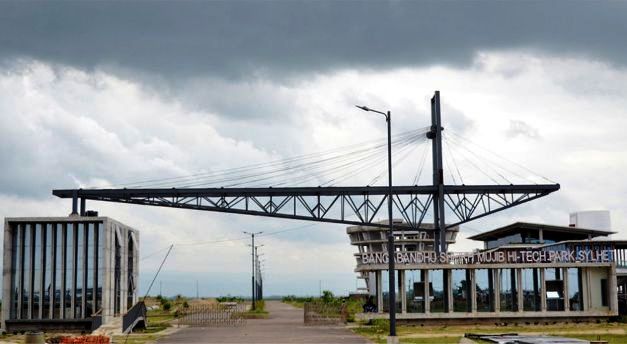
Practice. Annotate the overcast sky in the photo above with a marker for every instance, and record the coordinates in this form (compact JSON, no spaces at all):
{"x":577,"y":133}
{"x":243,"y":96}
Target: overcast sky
{"x":97,"y":93}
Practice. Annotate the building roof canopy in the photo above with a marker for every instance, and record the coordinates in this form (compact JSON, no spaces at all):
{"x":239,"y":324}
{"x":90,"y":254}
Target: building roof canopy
{"x":552,"y":232}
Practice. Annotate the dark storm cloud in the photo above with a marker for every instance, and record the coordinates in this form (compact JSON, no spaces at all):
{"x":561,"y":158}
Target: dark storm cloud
{"x":275,"y":39}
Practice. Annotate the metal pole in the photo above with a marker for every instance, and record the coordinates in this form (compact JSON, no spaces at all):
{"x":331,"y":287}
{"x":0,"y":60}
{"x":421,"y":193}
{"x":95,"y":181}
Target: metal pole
{"x":74,"y":202}
{"x":439,"y":223}
{"x":82,"y":211}
{"x":256,"y":275}
{"x":392,"y":286}
{"x":253,"y":277}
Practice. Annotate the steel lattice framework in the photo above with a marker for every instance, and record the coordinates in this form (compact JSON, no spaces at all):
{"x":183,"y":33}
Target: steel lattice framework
{"x":346,"y":205}
{"x":360,"y":205}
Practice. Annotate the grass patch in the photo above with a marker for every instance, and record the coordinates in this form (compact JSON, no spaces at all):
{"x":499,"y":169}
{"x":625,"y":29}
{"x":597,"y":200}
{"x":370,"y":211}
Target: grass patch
{"x":379,"y":328}
{"x":610,"y":338}
{"x":136,"y":338}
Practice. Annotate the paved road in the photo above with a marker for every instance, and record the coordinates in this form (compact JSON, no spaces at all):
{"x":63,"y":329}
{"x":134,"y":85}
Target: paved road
{"x":284,"y":325}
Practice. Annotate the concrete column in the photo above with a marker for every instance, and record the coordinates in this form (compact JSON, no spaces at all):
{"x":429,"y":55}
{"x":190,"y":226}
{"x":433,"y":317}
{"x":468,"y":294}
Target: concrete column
{"x":6,"y":272}
{"x":136,"y":267}
{"x":473,"y":290}
{"x":379,"y":292}
{"x":612,"y":292}
{"x":403,"y":290}
{"x":496,"y":273}
{"x":449,"y":288}
{"x":519,"y":291}
{"x":124,"y":271}
{"x":565,"y":289}
{"x":585,"y":285}
{"x":427,"y":297}
{"x":542,"y":290}
{"x":107,"y":311}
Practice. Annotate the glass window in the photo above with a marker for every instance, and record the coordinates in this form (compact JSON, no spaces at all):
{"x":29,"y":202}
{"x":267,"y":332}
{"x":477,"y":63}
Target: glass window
{"x":385,"y":285}
{"x":509,"y":286}
{"x":69,"y":272}
{"x":484,"y":286}
{"x":37,"y":272}
{"x":80,"y":270}
{"x":16,"y":274}
{"x":510,"y":239}
{"x":531,"y":289}
{"x":461,"y":290}
{"x":554,"y":286}
{"x":574,"y":289}
{"x":131,"y":280}
{"x":26,"y":235}
{"x":100,"y":267}
{"x":47,"y":271}
{"x":89,"y":308}
{"x":415,"y":291}
{"x":58,"y":263}
{"x":437,"y":291}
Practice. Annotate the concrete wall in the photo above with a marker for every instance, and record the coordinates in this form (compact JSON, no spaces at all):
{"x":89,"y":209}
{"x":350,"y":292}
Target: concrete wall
{"x":106,"y":271}
{"x":594,"y":288}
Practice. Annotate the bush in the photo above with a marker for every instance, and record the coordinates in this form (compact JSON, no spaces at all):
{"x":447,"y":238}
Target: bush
{"x":328,"y":297}
{"x":229,"y":298}
{"x":185,"y":304}
{"x":166,"y":306}
{"x":381,"y":325}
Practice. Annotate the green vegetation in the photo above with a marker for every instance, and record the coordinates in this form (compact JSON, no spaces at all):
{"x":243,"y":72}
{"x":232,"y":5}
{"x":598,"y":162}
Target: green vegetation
{"x":353,"y":306}
{"x":259,"y":312}
{"x":377,"y":330}
{"x":230,"y":298}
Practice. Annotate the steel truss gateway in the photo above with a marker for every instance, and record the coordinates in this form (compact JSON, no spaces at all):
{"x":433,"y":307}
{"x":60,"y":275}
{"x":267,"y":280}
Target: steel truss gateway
{"x":351,"y":205}
{"x":345,"y":205}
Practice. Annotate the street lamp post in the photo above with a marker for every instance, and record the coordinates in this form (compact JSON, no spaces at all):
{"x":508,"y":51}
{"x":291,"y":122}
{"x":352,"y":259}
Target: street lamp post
{"x":252,"y":236}
{"x":391,"y":269}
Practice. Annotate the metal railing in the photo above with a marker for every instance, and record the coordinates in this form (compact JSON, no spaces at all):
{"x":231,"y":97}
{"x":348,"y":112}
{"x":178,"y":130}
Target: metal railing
{"x":317,"y":313}
{"x":134,"y":316}
{"x":213,"y":315}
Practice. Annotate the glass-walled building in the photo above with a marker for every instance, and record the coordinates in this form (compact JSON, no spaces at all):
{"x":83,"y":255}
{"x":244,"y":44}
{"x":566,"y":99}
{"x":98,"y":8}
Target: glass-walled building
{"x":67,"y":272}
{"x":525,"y":273}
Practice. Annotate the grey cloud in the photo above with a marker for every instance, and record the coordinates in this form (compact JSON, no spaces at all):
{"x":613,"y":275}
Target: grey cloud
{"x":521,"y":128}
{"x":280,"y":38}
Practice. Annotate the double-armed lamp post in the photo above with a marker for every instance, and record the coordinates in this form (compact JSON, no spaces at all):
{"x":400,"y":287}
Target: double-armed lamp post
{"x":392,"y":288}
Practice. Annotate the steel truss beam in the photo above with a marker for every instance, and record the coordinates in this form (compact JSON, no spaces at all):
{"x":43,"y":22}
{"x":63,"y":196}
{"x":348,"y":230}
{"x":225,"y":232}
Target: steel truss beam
{"x":345,"y":205}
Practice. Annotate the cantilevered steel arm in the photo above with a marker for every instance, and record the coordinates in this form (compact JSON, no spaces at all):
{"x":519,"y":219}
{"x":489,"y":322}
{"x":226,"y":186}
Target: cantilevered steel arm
{"x":362,"y":205}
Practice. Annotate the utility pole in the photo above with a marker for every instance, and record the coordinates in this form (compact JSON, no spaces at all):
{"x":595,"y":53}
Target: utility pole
{"x":160,"y":288}
{"x":391,"y":249}
{"x":252,"y":237}
{"x":197,"y":296}
{"x":257,"y":273}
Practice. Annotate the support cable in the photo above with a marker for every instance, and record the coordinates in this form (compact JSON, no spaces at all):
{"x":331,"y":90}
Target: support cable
{"x":303,"y":157}
{"x":479,"y":158}
{"x":503,"y":158}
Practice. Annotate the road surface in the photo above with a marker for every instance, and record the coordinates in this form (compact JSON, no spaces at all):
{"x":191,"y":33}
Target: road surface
{"x":284,"y":325}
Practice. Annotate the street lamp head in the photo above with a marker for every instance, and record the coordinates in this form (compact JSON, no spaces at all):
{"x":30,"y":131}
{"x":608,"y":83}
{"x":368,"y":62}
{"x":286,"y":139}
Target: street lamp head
{"x":365,"y":108}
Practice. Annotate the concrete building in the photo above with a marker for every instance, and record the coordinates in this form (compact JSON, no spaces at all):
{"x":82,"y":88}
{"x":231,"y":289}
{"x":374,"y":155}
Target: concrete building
{"x":525,"y":273}
{"x":63,"y":273}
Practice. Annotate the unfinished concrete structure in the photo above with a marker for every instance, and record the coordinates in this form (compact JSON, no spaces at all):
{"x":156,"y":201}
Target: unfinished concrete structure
{"x":525,"y":273}
{"x":67,"y":273}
